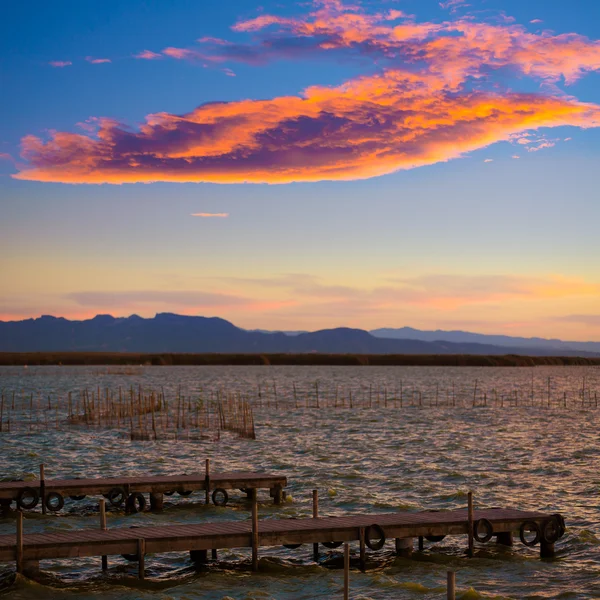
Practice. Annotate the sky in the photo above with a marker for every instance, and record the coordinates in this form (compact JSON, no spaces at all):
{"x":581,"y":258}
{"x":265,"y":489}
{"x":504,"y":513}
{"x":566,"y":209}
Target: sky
{"x":304,"y":165}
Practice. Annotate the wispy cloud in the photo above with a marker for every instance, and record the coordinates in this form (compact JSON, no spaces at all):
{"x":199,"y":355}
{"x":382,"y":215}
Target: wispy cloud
{"x":210,"y":215}
{"x":148,"y":55}
{"x":97,"y":61}
{"x":454,"y":5}
{"x":435,"y":100}
{"x":6,"y":156}
{"x":60,"y":63}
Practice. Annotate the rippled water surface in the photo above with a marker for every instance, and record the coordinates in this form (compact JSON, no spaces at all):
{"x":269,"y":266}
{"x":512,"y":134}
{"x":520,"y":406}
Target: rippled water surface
{"x":530,"y":442}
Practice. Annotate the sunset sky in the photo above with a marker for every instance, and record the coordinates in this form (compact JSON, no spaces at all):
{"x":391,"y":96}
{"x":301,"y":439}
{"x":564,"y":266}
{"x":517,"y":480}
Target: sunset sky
{"x":304,"y":165}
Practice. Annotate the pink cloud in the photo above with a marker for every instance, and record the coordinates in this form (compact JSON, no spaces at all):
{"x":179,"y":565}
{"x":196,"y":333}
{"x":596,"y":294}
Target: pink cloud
{"x":97,"y":61}
{"x":60,"y":63}
{"x":148,"y":55}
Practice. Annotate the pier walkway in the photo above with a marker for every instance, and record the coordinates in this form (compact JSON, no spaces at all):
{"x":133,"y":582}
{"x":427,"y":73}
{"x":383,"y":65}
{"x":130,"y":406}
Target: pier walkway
{"x":371,"y":530}
{"x":119,"y":490}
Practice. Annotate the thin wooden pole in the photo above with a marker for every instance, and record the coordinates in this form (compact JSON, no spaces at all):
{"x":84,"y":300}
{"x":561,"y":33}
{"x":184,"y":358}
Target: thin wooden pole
{"x":363,"y":560}
{"x":141,"y":547}
{"x":103,"y":527}
{"x":207,"y":481}
{"x":315,"y":499}
{"x":470,"y":515}
{"x":43,"y":489}
{"x":254,"y":531}
{"x":451,"y":585}
{"x":19,"y":552}
{"x":346,"y":571}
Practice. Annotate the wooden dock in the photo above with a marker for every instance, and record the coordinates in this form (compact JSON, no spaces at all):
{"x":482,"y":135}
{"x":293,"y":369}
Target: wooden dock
{"x":370,"y":530}
{"x":127,"y":490}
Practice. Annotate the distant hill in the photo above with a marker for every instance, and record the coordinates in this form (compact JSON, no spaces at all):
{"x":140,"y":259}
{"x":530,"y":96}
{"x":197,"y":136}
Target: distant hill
{"x":460,"y":337}
{"x":168,"y":332}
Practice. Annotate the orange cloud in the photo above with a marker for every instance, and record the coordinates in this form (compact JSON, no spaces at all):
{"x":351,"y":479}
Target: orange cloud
{"x":430,"y":104}
{"x":210,"y":215}
{"x":367,"y":127}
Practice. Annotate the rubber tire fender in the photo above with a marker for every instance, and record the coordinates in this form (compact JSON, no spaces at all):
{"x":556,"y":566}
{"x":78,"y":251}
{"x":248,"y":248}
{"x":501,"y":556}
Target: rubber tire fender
{"x":489,"y":531}
{"x":184,"y":493}
{"x":531,"y":526}
{"x":332,"y":544}
{"x":28,"y":491}
{"x":551,"y":530}
{"x":215,"y":497}
{"x":378,"y":531}
{"x":60,"y":501}
{"x":116,"y":496}
{"x":136,"y":502}
{"x":561,"y":523}
{"x":434,"y":538}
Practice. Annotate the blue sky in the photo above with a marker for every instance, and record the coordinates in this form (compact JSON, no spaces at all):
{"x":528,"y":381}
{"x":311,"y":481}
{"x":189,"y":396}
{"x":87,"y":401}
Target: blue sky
{"x":436,"y":228}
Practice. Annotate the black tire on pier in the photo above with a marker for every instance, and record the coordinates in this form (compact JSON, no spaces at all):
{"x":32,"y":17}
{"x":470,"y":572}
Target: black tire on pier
{"x":54,"y":501}
{"x":136,"y":502}
{"x":379,"y":541}
{"x":488,"y":530}
{"x":220,"y":497}
{"x":28,"y":498}
{"x":116,"y":496}
{"x":531,"y":527}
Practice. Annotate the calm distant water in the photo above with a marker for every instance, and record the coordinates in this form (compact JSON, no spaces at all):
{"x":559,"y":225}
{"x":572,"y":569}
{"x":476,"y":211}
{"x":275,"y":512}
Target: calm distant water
{"x":377,"y":459}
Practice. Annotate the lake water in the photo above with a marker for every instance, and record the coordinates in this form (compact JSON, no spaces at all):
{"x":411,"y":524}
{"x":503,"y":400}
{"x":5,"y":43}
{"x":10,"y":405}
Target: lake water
{"x":519,"y":446}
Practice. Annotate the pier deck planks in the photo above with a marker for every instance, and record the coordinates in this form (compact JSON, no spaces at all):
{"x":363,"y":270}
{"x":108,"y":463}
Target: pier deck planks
{"x":272,"y":532}
{"x":151,"y":483}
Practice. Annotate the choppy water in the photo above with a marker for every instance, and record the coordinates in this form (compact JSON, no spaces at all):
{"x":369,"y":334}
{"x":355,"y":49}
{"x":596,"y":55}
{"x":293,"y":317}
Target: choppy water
{"x":361,"y":459}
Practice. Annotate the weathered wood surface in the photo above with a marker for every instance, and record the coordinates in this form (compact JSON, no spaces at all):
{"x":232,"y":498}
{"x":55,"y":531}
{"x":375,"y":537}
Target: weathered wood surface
{"x":238,"y":534}
{"x":153,"y":484}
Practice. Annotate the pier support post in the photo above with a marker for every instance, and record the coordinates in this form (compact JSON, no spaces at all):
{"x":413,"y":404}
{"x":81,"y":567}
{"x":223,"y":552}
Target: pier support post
{"x":199,"y":556}
{"x":156,"y":501}
{"x":421,"y":544}
{"x":141,"y":544}
{"x":207,"y":481}
{"x":214,"y":554}
{"x":277,"y":494}
{"x":254,"y":531}
{"x":346,"y":571}
{"x":404,"y":547}
{"x":19,"y":549}
{"x":504,"y":538}
{"x":363,"y":558}
{"x":315,"y":497}
{"x":546,"y":550}
{"x":43,"y":489}
{"x":5,"y":506}
{"x":103,"y":527}
{"x":470,"y":525}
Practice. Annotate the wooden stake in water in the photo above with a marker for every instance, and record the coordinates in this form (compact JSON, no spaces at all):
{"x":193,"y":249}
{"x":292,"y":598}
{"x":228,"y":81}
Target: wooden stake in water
{"x":470,"y":526}
{"x":19,"y":551}
{"x":346,"y":571}
{"x":103,"y":527}
{"x":141,"y":548}
{"x":254,"y":531}
{"x":315,"y":498}
{"x":451,"y":585}
{"x":207,"y":481}
{"x":43,"y":489}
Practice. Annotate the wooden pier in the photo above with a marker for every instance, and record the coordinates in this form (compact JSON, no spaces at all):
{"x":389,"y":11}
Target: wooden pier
{"x":370,"y":530}
{"x":129,"y":491}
